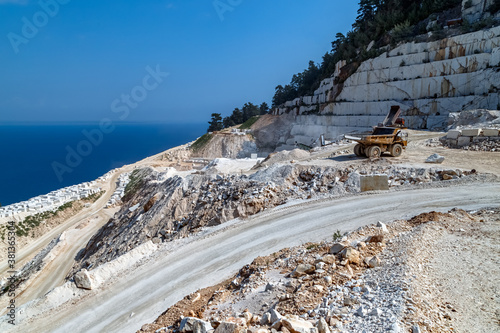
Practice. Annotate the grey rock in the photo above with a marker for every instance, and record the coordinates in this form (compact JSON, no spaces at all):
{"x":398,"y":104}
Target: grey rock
{"x":275,"y":315}
{"x":336,"y":248}
{"x":435,"y":158}
{"x":266,"y":319}
{"x":191,"y":324}
{"x":83,"y":280}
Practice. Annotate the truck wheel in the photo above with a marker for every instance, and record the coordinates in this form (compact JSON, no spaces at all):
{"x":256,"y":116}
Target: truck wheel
{"x":396,"y":150}
{"x":374,"y":152}
{"x":358,"y":150}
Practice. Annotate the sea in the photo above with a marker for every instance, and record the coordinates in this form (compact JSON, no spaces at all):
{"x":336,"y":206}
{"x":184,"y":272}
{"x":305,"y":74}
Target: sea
{"x":38,"y":159}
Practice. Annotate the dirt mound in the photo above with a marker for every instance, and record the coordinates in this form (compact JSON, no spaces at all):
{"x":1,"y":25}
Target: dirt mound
{"x":285,"y":156}
{"x":427,"y":217}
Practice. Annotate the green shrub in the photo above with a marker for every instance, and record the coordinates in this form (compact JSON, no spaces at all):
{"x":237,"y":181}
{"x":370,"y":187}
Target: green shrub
{"x":201,"y":142}
{"x":247,"y":124}
{"x":337,"y":236}
{"x":402,"y":30}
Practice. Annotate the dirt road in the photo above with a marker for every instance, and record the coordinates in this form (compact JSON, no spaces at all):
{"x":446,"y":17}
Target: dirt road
{"x":146,"y":292}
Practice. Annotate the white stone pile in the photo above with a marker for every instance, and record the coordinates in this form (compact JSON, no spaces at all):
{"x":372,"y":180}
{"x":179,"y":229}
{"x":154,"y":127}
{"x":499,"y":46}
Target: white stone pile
{"x":237,"y":131}
{"x":121,"y":184}
{"x":487,"y":139}
{"x":50,"y":201}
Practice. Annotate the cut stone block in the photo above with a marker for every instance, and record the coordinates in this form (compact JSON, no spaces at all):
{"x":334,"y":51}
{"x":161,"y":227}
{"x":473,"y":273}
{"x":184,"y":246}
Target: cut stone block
{"x":454,"y":134}
{"x":490,"y":132}
{"x":471,"y":132}
{"x":463,"y":141}
{"x":374,"y":183}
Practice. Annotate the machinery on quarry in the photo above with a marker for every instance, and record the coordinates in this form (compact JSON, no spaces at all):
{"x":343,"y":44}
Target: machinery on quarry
{"x":388,"y":136}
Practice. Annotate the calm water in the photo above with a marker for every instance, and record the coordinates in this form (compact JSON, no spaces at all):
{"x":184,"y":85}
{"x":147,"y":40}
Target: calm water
{"x":34,"y":159}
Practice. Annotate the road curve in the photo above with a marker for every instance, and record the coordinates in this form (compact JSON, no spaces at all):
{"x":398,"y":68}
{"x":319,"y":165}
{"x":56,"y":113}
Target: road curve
{"x":148,"y":291}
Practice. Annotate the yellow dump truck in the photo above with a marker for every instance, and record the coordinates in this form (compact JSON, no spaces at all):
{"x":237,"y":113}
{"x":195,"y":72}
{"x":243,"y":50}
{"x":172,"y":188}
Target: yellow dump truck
{"x":388,"y":137}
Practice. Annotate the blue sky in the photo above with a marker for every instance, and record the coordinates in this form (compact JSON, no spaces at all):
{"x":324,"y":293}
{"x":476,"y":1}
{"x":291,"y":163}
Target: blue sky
{"x":75,"y":59}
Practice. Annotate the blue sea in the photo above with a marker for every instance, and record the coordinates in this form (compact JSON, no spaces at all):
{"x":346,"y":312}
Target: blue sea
{"x":34,"y":158}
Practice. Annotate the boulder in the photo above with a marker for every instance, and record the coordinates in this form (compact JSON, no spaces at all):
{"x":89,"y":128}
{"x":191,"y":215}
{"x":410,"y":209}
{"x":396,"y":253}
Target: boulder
{"x":296,"y":325}
{"x":336,"y":248}
{"x":191,"y":324}
{"x":303,"y":269}
{"x":490,"y":132}
{"x":351,"y":254}
{"x":453,"y":134}
{"x":463,"y":141}
{"x":435,"y":158}
{"x":322,"y":326}
{"x":471,"y":132}
{"x":83,"y":280}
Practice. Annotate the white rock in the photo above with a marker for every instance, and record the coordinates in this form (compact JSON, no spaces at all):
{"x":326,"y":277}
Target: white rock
{"x":383,"y":226}
{"x":191,"y":324}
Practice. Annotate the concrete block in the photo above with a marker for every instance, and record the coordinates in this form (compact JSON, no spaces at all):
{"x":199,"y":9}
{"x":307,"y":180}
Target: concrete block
{"x":374,"y":183}
{"x":490,"y":132}
{"x":454,"y":134}
{"x":463,"y":141}
{"x":471,"y":132}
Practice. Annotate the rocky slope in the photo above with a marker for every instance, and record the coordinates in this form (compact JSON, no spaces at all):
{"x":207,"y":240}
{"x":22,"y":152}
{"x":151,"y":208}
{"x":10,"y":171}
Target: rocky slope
{"x":162,"y":208}
{"x":397,"y":277}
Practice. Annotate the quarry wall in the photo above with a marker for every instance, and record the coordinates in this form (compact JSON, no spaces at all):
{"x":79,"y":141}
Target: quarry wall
{"x":427,"y":80}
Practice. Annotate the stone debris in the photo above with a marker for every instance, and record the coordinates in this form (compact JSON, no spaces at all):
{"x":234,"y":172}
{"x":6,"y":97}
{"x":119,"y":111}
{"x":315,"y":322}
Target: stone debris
{"x":377,"y":294}
{"x":163,"y":208}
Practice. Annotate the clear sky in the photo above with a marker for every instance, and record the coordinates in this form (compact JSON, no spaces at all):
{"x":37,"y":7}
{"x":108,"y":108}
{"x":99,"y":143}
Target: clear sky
{"x":79,"y":60}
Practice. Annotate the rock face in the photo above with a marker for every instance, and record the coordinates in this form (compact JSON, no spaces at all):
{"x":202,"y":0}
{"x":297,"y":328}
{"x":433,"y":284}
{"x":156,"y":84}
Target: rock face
{"x":228,"y":146}
{"x":427,"y":80}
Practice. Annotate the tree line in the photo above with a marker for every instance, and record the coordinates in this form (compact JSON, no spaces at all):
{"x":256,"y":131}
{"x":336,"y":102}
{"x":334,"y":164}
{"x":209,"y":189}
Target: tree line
{"x":383,"y":21}
{"x":238,"y":116}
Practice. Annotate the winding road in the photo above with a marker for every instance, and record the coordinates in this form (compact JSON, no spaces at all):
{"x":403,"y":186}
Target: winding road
{"x":146,"y":292}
